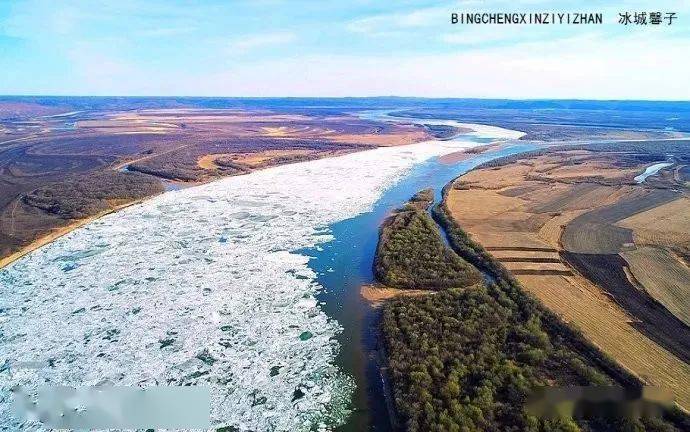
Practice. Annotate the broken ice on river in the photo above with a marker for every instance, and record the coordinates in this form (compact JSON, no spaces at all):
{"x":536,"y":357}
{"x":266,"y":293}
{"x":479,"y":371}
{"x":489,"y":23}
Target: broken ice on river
{"x":200,"y":286}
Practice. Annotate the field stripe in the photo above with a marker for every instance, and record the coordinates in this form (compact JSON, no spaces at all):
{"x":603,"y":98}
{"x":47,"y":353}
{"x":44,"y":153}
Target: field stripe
{"x":520,"y":248}
{"x":542,"y":272}
{"x":530,"y":259}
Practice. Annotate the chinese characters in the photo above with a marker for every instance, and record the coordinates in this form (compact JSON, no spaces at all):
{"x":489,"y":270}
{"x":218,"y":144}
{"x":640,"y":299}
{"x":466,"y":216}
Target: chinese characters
{"x":644,"y":18}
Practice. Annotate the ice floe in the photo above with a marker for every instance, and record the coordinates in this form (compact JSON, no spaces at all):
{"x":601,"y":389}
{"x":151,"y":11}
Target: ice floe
{"x":201,"y":286}
{"x":476,"y":130}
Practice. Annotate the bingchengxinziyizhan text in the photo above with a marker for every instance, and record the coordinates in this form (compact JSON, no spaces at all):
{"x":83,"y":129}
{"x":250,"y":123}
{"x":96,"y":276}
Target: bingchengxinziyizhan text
{"x":574,"y":18}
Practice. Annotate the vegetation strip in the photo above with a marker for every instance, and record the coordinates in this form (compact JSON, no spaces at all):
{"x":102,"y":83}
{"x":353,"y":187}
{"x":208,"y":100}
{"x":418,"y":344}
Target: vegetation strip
{"x":411,"y":253}
{"x":467,"y":358}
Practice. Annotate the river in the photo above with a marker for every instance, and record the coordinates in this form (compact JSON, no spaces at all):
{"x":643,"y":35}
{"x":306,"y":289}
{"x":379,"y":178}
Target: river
{"x":346,"y":263}
{"x":248,"y":285}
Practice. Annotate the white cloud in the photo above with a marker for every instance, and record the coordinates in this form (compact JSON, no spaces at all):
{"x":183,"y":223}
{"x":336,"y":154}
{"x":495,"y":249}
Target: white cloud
{"x":390,"y":23}
{"x":252,"y":42}
{"x":580,"y":67}
{"x":640,"y":65}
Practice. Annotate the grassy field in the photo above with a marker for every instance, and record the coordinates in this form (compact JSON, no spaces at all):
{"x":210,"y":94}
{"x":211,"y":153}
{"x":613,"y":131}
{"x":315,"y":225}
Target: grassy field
{"x":646,"y":263}
{"x":667,"y":225}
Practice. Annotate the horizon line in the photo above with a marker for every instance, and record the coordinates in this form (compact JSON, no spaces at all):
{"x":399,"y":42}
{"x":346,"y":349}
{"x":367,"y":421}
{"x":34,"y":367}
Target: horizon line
{"x":343,"y":97}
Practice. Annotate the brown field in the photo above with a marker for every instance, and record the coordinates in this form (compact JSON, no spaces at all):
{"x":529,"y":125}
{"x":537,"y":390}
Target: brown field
{"x":49,"y":155}
{"x":597,"y":231}
{"x":253,"y":160}
{"x":406,"y":135}
{"x":55,"y":233}
{"x":524,"y":264}
{"x":376,"y":295}
{"x":650,"y":317}
{"x":28,"y":109}
{"x":569,"y":224}
{"x":224,"y":123}
{"x":583,"y":304}
{"x":455,"y":157}
{"x":667,"y":224}
{"x":646,"y":263}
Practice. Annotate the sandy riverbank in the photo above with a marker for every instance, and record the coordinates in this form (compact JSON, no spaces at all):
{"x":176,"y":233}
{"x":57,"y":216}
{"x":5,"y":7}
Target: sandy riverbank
{"x":377,"y":294}
{"x":61,"y":231}
{"x":206,"y":272}
{"x":412,"y":136}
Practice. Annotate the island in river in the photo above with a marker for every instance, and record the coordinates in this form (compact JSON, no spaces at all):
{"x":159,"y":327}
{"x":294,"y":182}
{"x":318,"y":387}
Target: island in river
{"x":209,"y":285}
{"x":469,"y":355}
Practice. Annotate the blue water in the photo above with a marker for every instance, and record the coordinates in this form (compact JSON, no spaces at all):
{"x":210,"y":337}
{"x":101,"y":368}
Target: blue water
{"x":345,"y":264}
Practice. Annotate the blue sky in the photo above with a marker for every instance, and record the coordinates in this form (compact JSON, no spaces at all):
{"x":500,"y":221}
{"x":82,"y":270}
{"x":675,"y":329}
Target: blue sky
{"x":336,"y":48}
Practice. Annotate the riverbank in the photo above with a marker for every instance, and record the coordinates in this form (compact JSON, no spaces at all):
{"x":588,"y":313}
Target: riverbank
{"x":292,"y":244}
{"x":344,"y":266}
{"x":581,"y":234}
{"x":482,"y":349}
{"x":62,"y":231}
{"x":58,"y":232}
{"x":79,"y":161}
{"x":378,"y":294}
{"x":414,"y":136}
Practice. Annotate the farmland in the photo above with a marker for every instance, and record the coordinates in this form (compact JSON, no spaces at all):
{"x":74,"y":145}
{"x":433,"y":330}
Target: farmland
{"x":468,"y":357}
{"x":646,"y":263}
{"x":574,"y":228}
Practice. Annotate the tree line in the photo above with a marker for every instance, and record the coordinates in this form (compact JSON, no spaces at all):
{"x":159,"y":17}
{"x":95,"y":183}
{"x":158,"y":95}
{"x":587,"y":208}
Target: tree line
{"x":468,"y":357}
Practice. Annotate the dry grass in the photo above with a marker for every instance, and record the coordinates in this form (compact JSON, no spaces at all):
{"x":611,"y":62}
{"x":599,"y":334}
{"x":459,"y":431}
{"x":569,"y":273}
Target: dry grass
{"x":251,"y":160}
{"x":471,"y":203}
{"x":527,"y":204}
{"x":668,"y":224}
{"x":672,"y":290}
{"x":460,"y":156}
{"x":500,"y":254}
{"x":261,"y":158}
{"x":378,"y":294}
{"x":338,"y":129}
{"x":173,"y":144}
{"x":405,"y":135}
{"x":551,"y":231}
{"x":237,"y":123}
{"x":208,"y":162}
{"x":605,"y":324}
{"x":534,"y":266}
